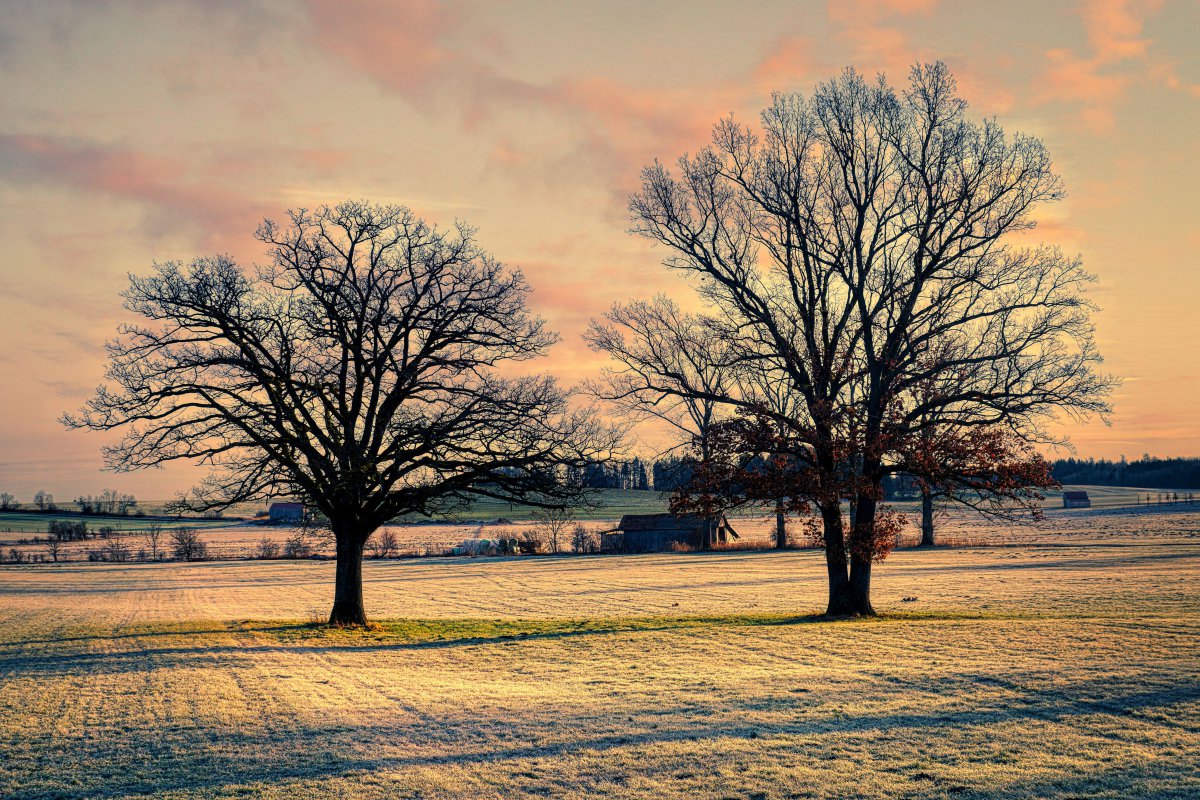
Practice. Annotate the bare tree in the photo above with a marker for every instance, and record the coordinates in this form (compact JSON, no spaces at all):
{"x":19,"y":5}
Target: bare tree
{"x":668,"y":366}
{"x":8,"y":502}
{"x":584,"y":539}
{"x":383,"y":544}
{"x":552,"y":523}
{"x":187,"y":544}
{"x":54,"y":547}
{"x":357,"y":372}
{"x":44,"y":501}
{"x":860,"y":244}
{"x":154,"y":538}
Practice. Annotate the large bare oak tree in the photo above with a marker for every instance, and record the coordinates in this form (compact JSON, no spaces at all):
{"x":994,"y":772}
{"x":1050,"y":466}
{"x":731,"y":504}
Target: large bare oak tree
{"x":859,"y":245}
{"x":357,"y":370}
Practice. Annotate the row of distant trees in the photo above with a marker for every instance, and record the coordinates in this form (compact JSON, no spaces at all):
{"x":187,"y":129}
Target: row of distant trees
{"x":109,"y":502}
{"x":1176,"y":473}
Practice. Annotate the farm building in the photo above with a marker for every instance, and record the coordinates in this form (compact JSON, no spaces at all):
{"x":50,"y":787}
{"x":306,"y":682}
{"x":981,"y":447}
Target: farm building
{"x":286,"y":512}
{"x":653,"y":533}
{"x":1075,"y":499}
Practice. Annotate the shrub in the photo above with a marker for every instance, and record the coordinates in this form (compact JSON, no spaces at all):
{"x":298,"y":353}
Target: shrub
{"x":532,"y":541}
{"x":584,"y":539}
{"x":267,"y":548}
{"x":115,"y":551}
{"x":65,"y":530}
{"x":298,"y":546}
{"x":383,"y":544}
{"x":187,"y":544}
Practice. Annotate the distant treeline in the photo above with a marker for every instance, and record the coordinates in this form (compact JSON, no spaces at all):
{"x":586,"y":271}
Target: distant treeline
{"x":1148,"y":471}
{"x":614,"y":475}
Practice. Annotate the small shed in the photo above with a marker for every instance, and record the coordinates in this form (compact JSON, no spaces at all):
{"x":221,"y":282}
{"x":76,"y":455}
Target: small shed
{"x":286,"y":512}
{"x":1076,"y":499}
{"x":656,"y":533}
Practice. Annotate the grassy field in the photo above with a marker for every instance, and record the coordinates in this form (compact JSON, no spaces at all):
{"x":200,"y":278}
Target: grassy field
{"x":1060,"y":671}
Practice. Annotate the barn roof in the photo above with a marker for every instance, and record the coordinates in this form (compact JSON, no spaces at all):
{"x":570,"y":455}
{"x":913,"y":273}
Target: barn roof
{"x":1074,"y":495}
{"x":287,"y":506}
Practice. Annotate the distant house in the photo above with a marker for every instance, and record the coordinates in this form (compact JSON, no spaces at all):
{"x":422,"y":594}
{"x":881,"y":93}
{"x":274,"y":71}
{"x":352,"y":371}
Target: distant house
{"x":655,"y":533}
{"x":1076,"y":500}
{"x":286,"y":512}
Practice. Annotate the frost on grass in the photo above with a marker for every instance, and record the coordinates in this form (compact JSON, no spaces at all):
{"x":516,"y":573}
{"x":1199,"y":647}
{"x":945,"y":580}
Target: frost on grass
{"x":1018,"y":672}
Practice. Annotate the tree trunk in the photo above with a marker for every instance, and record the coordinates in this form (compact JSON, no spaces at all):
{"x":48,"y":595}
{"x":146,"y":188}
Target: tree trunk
{"x":859,"y":590}
{"x":835,"y":560}
{"x":347,"y":593}
{"x":860,"y":587}
{"x":780,"y":527}
{"x":926,"y":517}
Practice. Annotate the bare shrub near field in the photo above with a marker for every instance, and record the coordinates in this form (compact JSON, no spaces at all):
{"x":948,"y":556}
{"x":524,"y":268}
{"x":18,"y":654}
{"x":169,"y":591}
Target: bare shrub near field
{"x":115,"y":551}
{"x":532,"y":541}
{"x":154,"y":539}
{"x":267,"y":548}
{"x":67,"y":531}
{"x":383,"y":545}
{"x":584,"y":539}
{"x":15,"y":556}
{"x":299,"y":545}
{"x":8,"y":502}
{"x":53,"y":549}
{"x":187,"y":545}
{"x":553,"y":524}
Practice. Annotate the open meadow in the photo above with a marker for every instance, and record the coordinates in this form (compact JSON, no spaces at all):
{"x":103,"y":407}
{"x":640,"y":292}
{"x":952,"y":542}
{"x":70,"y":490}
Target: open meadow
{"x":25,"y":532}
{"x":1069,"y":668}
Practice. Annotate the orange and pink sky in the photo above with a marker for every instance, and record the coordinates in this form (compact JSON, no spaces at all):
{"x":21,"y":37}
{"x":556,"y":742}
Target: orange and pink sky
{"x":133,"y":131}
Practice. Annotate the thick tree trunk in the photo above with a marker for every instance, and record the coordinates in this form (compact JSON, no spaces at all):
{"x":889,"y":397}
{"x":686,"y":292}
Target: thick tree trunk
{"x":926,"y":517}
{"x":860,"y":587}
{"x":835,"y":560}
{"x":348,"y":606}
{"x":859,"y":591}
{"x":780,"y":527}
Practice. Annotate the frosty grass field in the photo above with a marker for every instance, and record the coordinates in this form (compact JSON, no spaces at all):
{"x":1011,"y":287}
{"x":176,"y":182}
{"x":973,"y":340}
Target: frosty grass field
{"x":1064,"y":665}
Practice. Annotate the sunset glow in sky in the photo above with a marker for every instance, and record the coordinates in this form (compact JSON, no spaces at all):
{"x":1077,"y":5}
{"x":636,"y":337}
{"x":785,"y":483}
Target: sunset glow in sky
{"x":136,"y":131}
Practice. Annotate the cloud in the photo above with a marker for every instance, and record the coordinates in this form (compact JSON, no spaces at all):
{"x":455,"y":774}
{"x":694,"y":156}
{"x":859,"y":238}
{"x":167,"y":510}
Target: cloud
{"x":1119,"y":57}
{"x":166,"y":186}
{"x":194,"y":194}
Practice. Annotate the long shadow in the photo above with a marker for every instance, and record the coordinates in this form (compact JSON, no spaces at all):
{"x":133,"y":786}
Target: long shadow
{"x":210,"y":760}
{"x":150,"y":658}
{"x":1060,"y":563}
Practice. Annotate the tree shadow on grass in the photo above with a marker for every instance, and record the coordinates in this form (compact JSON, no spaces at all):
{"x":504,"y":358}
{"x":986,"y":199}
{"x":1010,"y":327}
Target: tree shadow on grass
{"x":405,"y":635}
{"x":211,"y":759}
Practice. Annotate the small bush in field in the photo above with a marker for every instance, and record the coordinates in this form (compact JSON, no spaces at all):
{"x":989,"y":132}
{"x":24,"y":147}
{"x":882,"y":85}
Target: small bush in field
{"x":187,"y":544}
{"x":383,"y":545}
{"x":114,"y":551}
{"x":298,"y":546}
{"x":267,"y":548}
{"x":584,"y":539}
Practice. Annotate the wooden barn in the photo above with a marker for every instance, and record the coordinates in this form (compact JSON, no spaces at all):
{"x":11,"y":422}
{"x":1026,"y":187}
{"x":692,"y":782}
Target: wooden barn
{"x":655,"y":533}
{"x":1076,"y":499}
{"x":286,"y":512}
